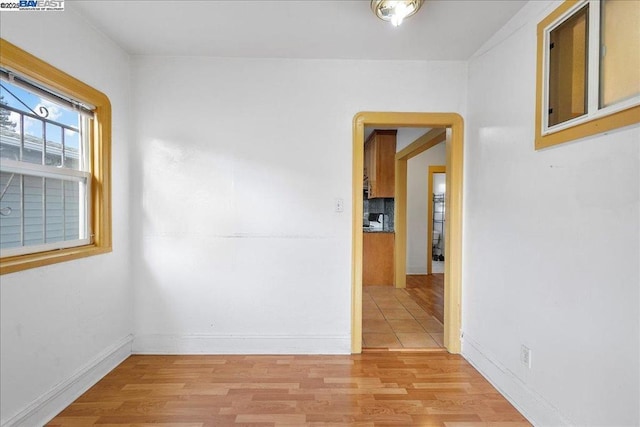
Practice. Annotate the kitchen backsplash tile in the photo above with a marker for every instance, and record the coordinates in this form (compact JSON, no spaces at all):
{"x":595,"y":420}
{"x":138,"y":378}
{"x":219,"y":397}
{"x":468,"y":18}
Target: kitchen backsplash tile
{"x":384,"y":206}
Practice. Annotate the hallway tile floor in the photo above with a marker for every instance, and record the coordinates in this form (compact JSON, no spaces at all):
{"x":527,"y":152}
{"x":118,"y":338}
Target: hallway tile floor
{"x":392,"y":319}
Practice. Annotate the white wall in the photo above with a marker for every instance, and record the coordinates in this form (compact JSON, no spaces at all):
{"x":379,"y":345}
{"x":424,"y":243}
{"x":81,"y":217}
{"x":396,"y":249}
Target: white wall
{"x":439,"y":183}
{"x":63,"y":326}
{"x":551,"y":248}
{"x":417,"y":206}
{"x":406,"y":136}
{"x":251,"y":257}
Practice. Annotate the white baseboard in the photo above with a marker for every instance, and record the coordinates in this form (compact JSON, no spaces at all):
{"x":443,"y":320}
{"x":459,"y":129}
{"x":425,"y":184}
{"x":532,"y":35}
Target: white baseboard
{"x":239,"y":344}
{"x":530,"y":404}
{"x":47,"y":406}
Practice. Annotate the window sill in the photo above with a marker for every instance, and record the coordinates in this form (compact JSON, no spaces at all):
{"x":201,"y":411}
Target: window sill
{"x":591,"y":127}
{"x":25,"y":262}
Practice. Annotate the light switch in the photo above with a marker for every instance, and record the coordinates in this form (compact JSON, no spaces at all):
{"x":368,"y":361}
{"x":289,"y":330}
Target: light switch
{"x":339,"y":205}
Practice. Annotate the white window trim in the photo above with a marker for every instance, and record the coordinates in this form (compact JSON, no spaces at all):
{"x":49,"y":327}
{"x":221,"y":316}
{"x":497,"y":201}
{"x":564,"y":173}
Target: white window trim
{"x":14,"y":166}
{"x":593,"y":74}
{"x":65,"y":244}
{"x":32,"y":169}
{"x":65,"y":174}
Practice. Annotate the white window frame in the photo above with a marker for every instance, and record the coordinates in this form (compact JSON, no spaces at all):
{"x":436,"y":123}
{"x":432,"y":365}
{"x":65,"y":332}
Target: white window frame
{"x":84,"y":214}
{"x":593,"y":72}
{"x":61,"y":173}
{"x":594,"y":111}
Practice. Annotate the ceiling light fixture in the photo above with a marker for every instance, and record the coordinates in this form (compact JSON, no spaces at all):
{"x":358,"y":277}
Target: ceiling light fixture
{"x":395,"y":11}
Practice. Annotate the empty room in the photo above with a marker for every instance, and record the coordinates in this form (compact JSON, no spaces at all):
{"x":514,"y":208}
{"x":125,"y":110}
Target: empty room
{"x":314,"y":212}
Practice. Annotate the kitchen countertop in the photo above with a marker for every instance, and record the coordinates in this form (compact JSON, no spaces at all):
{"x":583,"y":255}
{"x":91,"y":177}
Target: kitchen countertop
{"x":376,"y":230}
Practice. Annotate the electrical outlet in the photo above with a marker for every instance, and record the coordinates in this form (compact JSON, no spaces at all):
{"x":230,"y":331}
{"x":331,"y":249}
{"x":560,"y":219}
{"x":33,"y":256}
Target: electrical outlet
{"x":525,"y":356}
{"x":339,"y":205}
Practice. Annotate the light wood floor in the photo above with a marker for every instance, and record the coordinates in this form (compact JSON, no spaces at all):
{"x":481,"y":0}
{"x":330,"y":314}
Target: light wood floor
{"x":427,"y":290}
{"x":371,"y":389}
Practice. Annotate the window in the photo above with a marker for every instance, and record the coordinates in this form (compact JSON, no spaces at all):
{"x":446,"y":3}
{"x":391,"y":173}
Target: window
{"x":587,"y":79}
{"x":54,"y":164}
{"x":568,"y":69}
{"x":45,"y":173}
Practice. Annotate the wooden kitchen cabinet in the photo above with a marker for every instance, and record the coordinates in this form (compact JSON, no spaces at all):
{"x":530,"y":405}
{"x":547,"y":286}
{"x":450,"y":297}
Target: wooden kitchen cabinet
{"x":379,"y":163}
{"x":377,"y":259}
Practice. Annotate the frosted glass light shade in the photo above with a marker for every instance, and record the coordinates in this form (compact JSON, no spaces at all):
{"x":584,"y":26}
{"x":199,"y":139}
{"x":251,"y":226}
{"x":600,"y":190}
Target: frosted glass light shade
{"x":395,"y":11}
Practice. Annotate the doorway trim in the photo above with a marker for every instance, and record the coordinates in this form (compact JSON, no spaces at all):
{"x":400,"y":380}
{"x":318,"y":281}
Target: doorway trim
{"x":433,"y":169}
{"x":453,"y":200}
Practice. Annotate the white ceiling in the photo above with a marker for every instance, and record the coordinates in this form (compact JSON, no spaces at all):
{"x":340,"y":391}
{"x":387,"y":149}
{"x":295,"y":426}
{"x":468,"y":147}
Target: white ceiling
{"x":441,"y":30}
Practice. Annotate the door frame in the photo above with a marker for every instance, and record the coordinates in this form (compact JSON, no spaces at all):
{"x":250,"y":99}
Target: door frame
{"x":433,"y":169}
{"x":453,"y":202}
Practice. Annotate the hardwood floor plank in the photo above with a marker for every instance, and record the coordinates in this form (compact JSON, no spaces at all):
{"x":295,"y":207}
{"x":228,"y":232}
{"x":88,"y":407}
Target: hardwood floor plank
{"x":280,"y":419}
{"x":154,"y":425}
{"x":428,"y":291}
{"x":73,"y":421}
{"x":371,"y":389}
